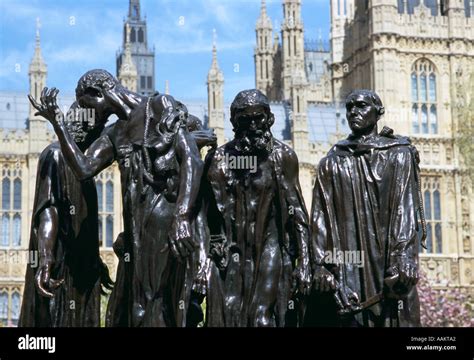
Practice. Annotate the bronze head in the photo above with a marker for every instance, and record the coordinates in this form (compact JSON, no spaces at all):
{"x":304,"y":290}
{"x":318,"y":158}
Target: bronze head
{"x":364,"y":109}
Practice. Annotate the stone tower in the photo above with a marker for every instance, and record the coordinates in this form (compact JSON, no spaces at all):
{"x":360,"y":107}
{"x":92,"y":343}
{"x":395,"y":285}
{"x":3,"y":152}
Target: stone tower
{"x":292,"y":38}
{"x":215,"y":96}
{"x":264,"y":52}
{"x":142,"y":56}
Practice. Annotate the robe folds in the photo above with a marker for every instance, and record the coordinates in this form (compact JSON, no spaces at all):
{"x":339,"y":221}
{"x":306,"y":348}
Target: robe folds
{"x":76,"y":253}
{"x":256,"y":221}
{"x":366,"y":202}
{"x":153,"y":288}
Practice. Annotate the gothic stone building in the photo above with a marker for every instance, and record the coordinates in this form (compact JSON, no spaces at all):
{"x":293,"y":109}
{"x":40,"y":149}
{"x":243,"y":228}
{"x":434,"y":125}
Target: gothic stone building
{"x":416,"y":54}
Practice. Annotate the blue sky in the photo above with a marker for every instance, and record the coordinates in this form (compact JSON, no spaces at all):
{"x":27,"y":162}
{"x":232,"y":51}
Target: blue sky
{"x":77,"y":36}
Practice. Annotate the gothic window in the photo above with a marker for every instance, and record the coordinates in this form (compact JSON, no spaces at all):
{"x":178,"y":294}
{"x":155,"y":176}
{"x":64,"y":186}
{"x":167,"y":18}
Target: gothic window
{"x":11,"y":205}
{"x":109,"y":231}
{"x":433,"y":6}
{"x":140,"y":35}
{"x":6,"y":193}
{"x":5,"y":240}
{"x":3,"y":308}
{"x":135,"y":11}
{"x":16,"y":230}
{"x":105,"y":196}
{"x":432,"y":205}
{"x":100,"y":231}
{"x":109,"y":188}
{"x":17,"y":194}
{"x":149,"y":82}
{"x":414,"y":118}
{"x":469,"y":7}
{"x":15,"y":313}
{"x":411,"y":5}
{"x":143,"y":82}
{"x":133,"y":36}
{"x":424,"y":116}
{"x":99,"y":194}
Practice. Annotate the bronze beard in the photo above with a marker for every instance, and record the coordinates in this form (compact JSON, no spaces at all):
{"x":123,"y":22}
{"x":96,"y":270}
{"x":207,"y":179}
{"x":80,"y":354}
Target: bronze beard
{"x":253,"y":141}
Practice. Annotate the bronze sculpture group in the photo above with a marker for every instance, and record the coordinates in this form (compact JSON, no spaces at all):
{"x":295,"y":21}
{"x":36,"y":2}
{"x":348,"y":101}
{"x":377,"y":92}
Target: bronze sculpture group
{"x":232,"y":229}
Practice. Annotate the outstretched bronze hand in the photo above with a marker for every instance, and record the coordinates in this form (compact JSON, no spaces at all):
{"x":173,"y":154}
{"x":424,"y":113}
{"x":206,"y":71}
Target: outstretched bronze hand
{"x":48,"y":106}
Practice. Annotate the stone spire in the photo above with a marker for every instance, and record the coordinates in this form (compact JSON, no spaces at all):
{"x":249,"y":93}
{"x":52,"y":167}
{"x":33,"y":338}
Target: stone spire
{"x":215,"y":95}
{"x":128,"y":71}
{"x":37,"y":70}
{"x":37,"y":73}
{"x":264,"y":51}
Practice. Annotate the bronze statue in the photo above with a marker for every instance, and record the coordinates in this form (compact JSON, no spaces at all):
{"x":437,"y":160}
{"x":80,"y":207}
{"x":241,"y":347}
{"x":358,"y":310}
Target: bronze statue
{"x":258,"y":223}
{"x":160,"y":168}
{"x":365,"y":225}
{"x":64,"y":289}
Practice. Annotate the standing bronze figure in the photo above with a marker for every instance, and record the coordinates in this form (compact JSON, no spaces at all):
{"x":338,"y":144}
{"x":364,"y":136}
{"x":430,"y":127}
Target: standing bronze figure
{"x":64,"y":289}
{"x":258,"y":223}
{"x":160,"y":169}
{"x":366,"y":204}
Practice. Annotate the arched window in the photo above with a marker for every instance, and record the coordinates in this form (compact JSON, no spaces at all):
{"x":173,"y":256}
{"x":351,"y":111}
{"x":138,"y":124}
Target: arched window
{"x":133,"y":36}
{"x":424,"y":119}
{"x":17,"y":194}
{"x":3,"y":307}
{"x":432,"y":87}
{"x":101,"y":237}
{"x":109,"y":189}
{"x":414,"y":119}
{"x":140,"y":35}
{"x":99,"y":194}
{"x":15,"y":308}
{"x":105,"y":194}
{"x":433,"y":119}
{"x":424,"y":98}
{"x":6,"y":193}
{"x":5,"y":230}
{"x":432,"y":205}
{"x":109,"y":231}
{"x":16,"y":230}
{"x":414,"y":87}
